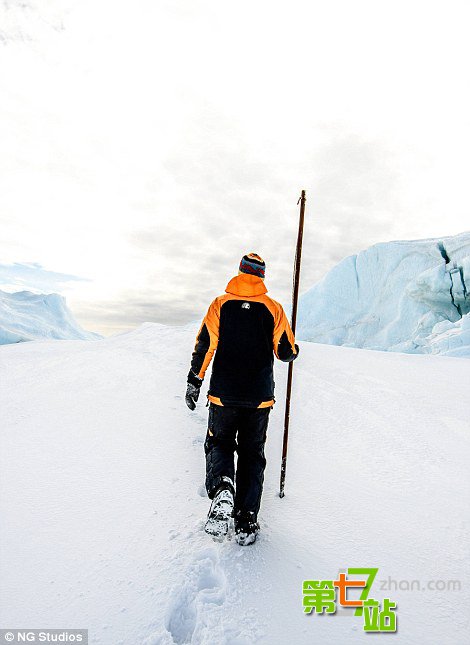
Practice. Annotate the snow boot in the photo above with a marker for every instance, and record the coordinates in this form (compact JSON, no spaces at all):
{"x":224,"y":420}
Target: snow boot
{"x":246,"y":527}
{"x":221,"y":510}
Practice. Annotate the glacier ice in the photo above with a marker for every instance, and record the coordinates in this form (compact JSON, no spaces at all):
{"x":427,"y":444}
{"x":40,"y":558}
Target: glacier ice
{"x":408,"y":296}
{"x":30,"y":316}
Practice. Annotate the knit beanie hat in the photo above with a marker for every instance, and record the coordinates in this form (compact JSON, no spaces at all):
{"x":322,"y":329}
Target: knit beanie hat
{"x":253,"y":264}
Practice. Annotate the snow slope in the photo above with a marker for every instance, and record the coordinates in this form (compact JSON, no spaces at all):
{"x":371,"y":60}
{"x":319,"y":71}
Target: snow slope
{"x":31,"y":316}
{"x":410,"y":296}
{"x":102,"y":479}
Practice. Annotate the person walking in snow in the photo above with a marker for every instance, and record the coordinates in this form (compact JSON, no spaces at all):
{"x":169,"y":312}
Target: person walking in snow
{"x":244,"y":328}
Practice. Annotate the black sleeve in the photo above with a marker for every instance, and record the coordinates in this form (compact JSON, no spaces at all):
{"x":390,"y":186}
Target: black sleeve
{"x":200,"y":350}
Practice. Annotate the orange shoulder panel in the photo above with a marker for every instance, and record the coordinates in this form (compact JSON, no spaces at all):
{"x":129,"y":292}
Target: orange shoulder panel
{"x":211,"y":320}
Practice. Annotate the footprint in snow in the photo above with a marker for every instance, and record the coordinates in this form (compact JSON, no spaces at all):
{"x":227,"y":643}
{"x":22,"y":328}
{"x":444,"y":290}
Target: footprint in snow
{"x":201,"y":491}
{"x":194,"y":612}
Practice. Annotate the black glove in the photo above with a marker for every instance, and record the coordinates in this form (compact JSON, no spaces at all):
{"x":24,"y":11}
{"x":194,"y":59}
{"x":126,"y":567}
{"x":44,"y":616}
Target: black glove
{"x":192,"y":390}
{"x":294,"y":356}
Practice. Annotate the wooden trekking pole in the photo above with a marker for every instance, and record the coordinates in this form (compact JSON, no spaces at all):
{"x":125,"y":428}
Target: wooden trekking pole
{"x":295,"y":297}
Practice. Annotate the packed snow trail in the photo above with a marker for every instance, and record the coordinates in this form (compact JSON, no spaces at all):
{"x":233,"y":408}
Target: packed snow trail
{"x":103,"y":500}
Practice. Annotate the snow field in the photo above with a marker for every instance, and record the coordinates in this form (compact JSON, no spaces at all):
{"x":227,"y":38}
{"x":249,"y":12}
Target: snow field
{"x":103,"y":500}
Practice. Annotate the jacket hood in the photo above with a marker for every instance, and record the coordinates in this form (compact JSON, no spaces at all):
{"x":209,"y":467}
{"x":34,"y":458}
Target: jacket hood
{"x":246,"y":285}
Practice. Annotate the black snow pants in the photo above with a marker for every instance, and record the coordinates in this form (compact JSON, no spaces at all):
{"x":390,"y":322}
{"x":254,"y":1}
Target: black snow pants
{"x":242,"y":430}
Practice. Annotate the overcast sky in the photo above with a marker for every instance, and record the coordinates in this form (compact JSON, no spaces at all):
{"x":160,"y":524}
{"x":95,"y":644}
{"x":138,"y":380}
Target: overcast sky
{"x":147,"y":145}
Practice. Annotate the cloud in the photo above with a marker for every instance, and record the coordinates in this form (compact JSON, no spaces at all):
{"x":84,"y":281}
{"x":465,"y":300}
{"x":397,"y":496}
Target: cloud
{"x":154,"y":183}
{"x":33,"y":277}
{"x":114,"y":316}
{"x":218,"y":215}
{"x":357,"y":198}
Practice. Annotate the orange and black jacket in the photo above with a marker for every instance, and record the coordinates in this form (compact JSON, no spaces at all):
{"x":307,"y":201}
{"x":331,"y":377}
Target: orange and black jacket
{"x":244,"y":328}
